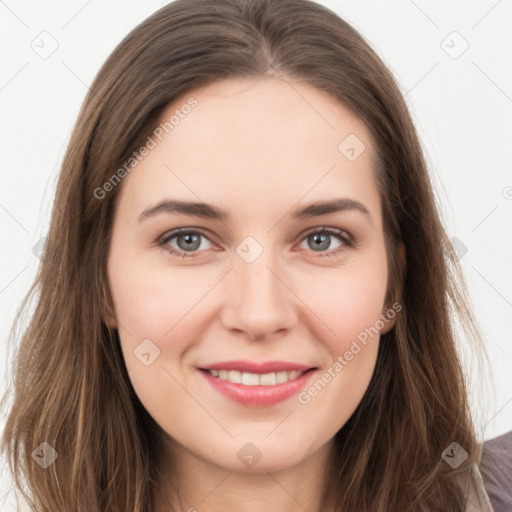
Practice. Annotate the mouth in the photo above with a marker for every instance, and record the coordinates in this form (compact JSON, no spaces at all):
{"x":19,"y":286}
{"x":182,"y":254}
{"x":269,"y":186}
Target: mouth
{"x":254,"y":384}
{"x":256,"y":379}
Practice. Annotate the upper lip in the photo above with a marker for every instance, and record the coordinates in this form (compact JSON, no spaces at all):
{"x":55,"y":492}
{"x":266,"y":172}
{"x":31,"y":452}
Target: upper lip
{"x":253,"y":367}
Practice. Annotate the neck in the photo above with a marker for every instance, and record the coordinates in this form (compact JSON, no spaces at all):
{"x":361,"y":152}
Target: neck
{"x":189,"y":483}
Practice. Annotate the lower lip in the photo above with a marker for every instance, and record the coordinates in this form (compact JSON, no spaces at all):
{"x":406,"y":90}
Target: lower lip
{"x":259,"y":396}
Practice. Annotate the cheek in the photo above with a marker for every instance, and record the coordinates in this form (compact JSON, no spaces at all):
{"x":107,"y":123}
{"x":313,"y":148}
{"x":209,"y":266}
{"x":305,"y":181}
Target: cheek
{"x":162,"y":303}
{"x":348,"y":301}
{"x":157,"y":309}
{"x":351,"y":311}
{"x":151,"y":301}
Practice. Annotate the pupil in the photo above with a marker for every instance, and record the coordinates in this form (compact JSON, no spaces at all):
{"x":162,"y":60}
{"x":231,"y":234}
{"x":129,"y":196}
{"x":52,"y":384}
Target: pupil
{"x":320,"y":239}
{"x":189,"y":238}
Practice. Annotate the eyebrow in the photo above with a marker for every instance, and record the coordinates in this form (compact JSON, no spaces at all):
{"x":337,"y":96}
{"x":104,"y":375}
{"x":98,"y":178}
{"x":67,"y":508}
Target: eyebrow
{"x":209,"y":211}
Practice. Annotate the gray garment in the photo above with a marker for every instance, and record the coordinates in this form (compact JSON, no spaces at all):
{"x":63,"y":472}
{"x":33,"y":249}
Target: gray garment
{"x":496,"y":472}
{"x":490,"y":486}
{"x":478,"y":499}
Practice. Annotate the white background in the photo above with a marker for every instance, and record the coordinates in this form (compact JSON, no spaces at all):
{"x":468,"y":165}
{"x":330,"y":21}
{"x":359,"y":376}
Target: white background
{"x":462,"y":107}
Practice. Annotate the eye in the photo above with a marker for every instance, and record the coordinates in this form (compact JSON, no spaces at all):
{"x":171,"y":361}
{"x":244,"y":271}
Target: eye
{"x":321,"y":239}
{"x":190,"y":241}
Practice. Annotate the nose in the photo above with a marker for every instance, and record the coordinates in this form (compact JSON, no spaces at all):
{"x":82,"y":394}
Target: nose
{"x":259,"y":302}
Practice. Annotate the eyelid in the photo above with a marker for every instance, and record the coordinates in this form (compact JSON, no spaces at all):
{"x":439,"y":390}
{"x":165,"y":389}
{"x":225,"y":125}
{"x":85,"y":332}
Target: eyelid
{"x":348,"y":241}
{"x":164,"y":239}
{"x":330,"y":231}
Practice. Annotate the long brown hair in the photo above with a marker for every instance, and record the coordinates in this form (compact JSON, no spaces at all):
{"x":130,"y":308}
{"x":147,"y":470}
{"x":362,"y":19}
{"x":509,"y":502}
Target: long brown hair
{"x":71,"y":387}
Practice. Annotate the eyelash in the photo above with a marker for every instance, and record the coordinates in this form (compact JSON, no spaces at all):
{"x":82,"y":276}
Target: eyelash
{"x":347,"y":241}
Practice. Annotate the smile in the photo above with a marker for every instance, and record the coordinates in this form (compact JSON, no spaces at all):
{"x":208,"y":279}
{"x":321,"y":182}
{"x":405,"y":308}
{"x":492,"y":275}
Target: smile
{"x":257,"y":384}
{"x":255,"y":379}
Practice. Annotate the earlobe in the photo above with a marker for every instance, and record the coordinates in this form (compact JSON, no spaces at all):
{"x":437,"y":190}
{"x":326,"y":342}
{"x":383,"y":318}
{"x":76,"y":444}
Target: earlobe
{"x":388,"y":319}
{"x":390,"y":313}
{"x":107,"y":311}
{"x":110,"y":321}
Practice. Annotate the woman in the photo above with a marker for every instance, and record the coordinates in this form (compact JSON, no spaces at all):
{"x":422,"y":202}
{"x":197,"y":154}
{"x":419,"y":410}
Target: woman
{"x":295,"y":351}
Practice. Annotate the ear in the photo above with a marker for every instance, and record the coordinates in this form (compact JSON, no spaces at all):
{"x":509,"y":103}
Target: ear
{"x":107,"y":310}
{"x":390,"y":311}
{"x":109,"y":320}
{"x":388,"y":319}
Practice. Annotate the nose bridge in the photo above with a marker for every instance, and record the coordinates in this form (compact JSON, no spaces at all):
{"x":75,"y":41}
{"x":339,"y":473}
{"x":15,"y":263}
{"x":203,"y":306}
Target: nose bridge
{"x":257,"y":301}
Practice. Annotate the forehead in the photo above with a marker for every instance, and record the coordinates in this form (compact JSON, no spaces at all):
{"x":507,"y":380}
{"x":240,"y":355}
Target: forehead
{"x":274,"y":139}
{"x":268,"y":117}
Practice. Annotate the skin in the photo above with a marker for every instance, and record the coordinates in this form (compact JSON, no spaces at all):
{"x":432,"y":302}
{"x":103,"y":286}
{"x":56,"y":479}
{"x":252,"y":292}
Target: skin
{"x":256,"y":148}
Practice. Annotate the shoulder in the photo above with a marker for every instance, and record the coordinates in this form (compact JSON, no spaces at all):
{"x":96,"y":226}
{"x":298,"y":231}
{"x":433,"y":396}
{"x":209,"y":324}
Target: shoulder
{"x":496,"y":471}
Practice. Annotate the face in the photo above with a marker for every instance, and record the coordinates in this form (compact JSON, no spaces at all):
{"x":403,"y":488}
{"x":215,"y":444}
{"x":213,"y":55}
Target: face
{"x":276,"y":301}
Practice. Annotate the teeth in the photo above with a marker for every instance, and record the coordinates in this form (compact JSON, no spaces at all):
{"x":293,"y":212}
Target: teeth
{"x":234,"y":376}
{"x":250,"y":379}
{"x":282,"y":377}
{"x":255,"y":379}
{"x":268,"y":379}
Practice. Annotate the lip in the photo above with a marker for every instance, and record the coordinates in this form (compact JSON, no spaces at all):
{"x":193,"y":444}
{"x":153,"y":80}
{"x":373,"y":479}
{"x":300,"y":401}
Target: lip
{"x":258,"y":396}
{"x":253,"y":367}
